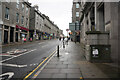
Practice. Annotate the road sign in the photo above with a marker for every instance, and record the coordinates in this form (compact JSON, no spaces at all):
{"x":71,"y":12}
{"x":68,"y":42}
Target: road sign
{"x":67,"y":29}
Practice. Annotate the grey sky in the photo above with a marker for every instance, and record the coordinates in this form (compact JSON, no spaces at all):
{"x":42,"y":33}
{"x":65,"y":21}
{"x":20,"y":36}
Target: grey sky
{"x":59,"y":11}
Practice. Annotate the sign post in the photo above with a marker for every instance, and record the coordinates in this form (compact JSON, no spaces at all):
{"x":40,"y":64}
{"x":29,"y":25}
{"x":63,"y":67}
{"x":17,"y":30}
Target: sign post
{"x":67,"y":31}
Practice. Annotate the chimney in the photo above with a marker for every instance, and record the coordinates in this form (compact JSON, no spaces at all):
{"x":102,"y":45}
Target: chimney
{"x":36,"y":7}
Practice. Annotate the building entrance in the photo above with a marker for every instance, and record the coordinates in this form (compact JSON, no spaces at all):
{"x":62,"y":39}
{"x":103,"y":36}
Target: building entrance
{"x":11,"y":34}
{"x":5,"y":37}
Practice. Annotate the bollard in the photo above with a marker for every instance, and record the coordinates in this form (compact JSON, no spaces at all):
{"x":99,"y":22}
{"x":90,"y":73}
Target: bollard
{"x":63,"y":45}
{"x":58,"y":51}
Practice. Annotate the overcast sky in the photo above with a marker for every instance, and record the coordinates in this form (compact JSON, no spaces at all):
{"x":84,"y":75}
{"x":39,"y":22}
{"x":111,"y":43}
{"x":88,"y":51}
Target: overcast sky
{"x":59,"y":11}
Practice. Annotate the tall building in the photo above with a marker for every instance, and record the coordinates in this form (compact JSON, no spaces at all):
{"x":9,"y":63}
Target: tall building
{"x":14,"y":21}
{"x":36,"y":23}
{"x":100,"y":26}
{"x":75,"y":25}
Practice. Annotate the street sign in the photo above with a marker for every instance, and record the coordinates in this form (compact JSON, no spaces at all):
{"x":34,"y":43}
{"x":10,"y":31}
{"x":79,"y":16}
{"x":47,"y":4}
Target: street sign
{"x":67,"y":29}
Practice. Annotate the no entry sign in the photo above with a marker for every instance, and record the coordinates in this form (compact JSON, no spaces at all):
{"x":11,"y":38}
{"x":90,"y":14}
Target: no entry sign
{"x":67,"y":29}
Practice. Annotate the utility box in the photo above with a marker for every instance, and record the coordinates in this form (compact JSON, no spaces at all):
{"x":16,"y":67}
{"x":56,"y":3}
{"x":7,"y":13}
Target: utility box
{"x":100,"y":53}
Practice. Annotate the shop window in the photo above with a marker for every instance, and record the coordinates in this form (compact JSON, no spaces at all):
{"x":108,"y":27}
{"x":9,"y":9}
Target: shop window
{"x":17,"y":29}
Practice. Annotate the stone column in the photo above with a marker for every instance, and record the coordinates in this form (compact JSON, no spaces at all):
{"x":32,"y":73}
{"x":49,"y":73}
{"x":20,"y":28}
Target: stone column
{"x":9,"y":35}
{"x":3,"y":34}
{"x":14,"y":35}
{"x":19,"y":36}
{"x":28,"y":35}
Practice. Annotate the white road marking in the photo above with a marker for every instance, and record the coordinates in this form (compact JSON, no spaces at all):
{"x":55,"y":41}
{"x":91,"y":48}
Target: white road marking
{"x":8,"y":73}
{"x":44,"y":46}
{"x":41,"y":43}
{"x":13,"y":65}
{"x":17,"y":56}
{"x":7,"y":55}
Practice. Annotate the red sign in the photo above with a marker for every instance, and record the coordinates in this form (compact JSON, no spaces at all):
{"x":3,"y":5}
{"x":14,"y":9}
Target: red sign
{"x":67,"y":29}
{"x":23,"y":28}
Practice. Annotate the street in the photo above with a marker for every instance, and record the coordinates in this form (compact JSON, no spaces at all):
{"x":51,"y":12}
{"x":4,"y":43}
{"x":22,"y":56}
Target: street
{"x":26,"y":62}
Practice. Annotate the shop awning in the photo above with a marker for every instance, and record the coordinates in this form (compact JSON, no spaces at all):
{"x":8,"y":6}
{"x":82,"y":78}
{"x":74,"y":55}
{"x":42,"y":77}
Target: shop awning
{"x":22,"y":28}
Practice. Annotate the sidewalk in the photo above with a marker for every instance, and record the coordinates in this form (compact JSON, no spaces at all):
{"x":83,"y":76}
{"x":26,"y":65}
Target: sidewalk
{"x":72,"y":65}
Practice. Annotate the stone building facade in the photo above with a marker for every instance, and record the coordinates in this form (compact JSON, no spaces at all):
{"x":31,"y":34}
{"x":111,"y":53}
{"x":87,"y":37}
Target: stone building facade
{"x":100,"y":26}
{"x":50,"y":29}
{"x":14,"y":21}
{"x":75,"y":25}
{"x":36,"y":23}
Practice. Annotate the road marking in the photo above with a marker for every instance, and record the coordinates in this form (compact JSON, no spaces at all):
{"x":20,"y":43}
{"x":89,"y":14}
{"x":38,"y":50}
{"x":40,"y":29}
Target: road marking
{"x":17,"y":55}
{"x":44,"y":46}
{"x":37,"y":73}
{"x":41,"y":43}
{"x":7,"y":55}
{"x":9,"y":74}
{"x":38,"y":66}
{"x":13,"y":65}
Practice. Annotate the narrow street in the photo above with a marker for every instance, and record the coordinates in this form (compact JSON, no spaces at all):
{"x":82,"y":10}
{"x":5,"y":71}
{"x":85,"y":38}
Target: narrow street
{"x":20,"y":65}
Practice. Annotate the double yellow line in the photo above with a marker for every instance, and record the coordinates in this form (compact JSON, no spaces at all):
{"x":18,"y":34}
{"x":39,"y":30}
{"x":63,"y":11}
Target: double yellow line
{"x":38,"y":66}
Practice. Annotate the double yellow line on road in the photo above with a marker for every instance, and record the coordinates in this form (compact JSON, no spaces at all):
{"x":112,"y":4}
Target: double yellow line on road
{"x":38,"y":66}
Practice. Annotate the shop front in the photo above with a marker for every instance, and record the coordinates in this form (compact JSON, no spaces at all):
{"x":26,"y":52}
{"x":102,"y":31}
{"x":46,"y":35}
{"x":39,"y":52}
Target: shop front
{"x":22,"y":33}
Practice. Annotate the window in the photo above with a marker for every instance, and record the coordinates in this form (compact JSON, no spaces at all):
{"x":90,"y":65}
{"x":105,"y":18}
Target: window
{"x":23,"y":7}
{"x":26,"y":10}
{"x":26,"y":22}
{"x":7,"y":13}
{"x":0,"y":35}
{"x":17,"y":4}
{"x":22,"y":19}
{"x":77,"y":14}
{"x":77,"y":5}
{"x":0,"y":26}
{"x":17,"y":17}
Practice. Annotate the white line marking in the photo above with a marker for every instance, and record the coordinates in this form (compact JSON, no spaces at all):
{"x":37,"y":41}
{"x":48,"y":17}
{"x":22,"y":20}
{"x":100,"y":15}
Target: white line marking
{"x":44,"y":46}
{"x":17,"y":56}
{"x":13,"y":65}
{"x":8,"y":73}
{"x":7,"y":55}
{"x":41,"y":42}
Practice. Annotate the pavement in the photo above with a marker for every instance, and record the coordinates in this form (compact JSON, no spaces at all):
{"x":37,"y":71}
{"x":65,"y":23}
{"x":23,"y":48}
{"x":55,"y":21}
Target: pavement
{"x":72,"y":65}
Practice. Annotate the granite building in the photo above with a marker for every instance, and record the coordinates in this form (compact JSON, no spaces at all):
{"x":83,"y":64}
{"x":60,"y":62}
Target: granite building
{"x":36,"y":23}
{"x":75,"y":25}
{"x":14,"y":21}
{"x":100,"y":26}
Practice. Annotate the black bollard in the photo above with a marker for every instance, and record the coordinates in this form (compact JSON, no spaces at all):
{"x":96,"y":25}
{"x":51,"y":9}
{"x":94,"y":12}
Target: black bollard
{"x":58,"y":51}
{"x":63,"y":45}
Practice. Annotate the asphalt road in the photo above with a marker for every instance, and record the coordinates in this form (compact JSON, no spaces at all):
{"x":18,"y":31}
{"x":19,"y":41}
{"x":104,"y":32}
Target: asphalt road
{"x":24,"y":63}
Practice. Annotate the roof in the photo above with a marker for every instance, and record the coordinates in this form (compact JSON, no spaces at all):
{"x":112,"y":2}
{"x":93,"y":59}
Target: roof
{"x":76,"y":0}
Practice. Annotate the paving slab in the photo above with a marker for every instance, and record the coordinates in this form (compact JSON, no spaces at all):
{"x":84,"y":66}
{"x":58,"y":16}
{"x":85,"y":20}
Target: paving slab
{"x":72,"y":65}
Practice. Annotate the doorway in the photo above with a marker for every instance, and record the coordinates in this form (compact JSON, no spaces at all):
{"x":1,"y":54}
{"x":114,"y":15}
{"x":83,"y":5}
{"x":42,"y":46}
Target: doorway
{"x":11,"y":34}
{"x":5,"y":37}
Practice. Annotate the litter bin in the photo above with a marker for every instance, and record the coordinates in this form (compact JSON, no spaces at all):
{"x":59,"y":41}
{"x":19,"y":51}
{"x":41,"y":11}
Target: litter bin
{"x":100,"y":53}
